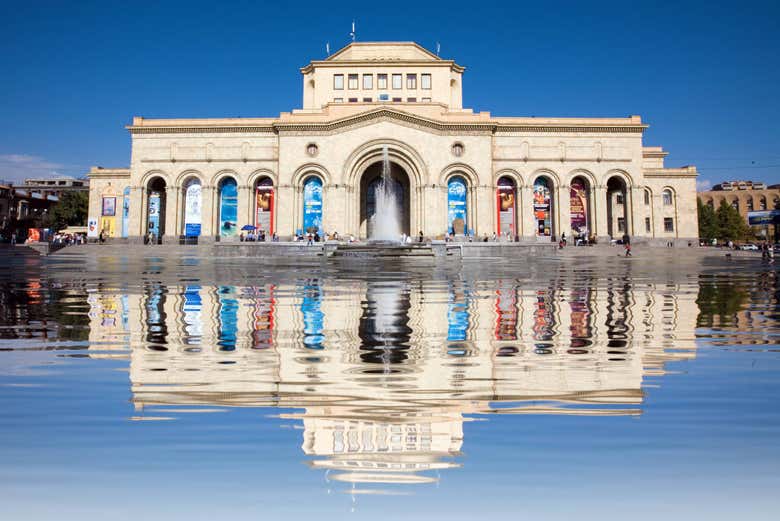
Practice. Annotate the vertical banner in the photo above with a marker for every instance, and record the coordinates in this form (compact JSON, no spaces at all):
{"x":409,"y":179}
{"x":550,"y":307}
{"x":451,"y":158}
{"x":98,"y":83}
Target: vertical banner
{"x":228,"y":208}
{"x":457,"y":315}
{"x":126,"y":211}
{"x":313,"y":317}
{"x":456,"y":205}
{"x":505,"y":203}
{"x":193,"y":324}
{"x":228,"y":318}
{"x":154,"y":214}
{"x":542,"y":207}
{"x":579,"y":206}
{"x":312,"y":205}
{"x":192,"y":209}
{"x":92,"y":228}
{"x":264,"y":206}
{"x":506,"y":311}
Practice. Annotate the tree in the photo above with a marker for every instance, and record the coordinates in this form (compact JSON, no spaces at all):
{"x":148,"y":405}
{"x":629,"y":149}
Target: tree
{"x":70,"y":210}
{"x":708,"y":228}
{"x":730,"y":225}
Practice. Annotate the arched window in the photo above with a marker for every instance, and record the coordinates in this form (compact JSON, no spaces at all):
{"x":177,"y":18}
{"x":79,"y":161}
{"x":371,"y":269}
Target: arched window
{"x":156,"y":208}
{"x":506,"y":208}
{"x":762,"y":203}
{"x":647,"y":197}
{"x":667,"y":197}
{"x":749,"y":204}
{"x":457,"y":208}
{"x":312,"y":205}
{"x":735,"y":204}
{"x":543,"y":201}
{"x":228,"y":207}
{"x":579,"y":204}
{"x":192,"y":207}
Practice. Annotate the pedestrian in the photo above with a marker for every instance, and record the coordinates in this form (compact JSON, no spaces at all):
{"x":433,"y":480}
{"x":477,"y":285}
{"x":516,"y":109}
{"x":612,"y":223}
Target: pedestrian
{"x":421,"y":237}
{"x":150,"y":239}
{"x":309,"y":239}
{"x":627,"y":246}
{"x":13,"y":239}
{"x":563,"y":238}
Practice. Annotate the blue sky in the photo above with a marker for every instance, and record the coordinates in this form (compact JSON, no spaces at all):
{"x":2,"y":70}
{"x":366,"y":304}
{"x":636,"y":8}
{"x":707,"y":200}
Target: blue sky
{"x":704,"y":75}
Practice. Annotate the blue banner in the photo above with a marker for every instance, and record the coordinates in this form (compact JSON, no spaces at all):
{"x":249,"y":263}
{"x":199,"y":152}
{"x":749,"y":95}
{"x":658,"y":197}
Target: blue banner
{"x":154,"y":214}
{"x":228,"y":208}
{"x":312,"y":205}
{"x":456,"y":205}
{"x":125,"y":211}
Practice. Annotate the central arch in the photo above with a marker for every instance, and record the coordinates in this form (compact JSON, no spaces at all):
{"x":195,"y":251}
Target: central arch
{"x":370,"y":182}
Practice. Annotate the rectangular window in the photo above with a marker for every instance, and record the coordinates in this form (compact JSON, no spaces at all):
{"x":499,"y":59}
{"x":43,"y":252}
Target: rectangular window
{"x":622,"y":224}
{"x":384,"y":97}
{"x":381,"y":81}
{"x":647,"y":224}
{"x":426,"y":100}
{"x":667,"y":195}
{"x":368,"y":81}
{"x":338,"y":82}
{"x":366,"y":100}
{"x":397,"y":81}
{"x":353,"y":100}
{"x":397,"y":99}
{"x":338,"y":100}
{"x":647,"y":198}
{"x":668,"y":224}
{"x":619,"y":199}
{"x":425,"y":81}
{"x":411,"y":100}
{"x":352,"y":82}
{"x":411,"y":81}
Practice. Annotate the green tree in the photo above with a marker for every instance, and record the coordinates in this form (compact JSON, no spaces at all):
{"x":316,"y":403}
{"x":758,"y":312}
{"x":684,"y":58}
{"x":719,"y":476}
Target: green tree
{"x":708,"y":228}
{"x":730,"y":225}
{"x":70,"y":210}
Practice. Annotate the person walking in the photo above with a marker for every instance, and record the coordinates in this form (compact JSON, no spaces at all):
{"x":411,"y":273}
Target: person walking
{"x":421,"y":237}
{"x":13,"y":239}
{"x":627,"y":246}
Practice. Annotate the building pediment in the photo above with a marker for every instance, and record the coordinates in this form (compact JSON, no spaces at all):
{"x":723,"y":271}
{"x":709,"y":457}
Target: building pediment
{"x":383,"y":52}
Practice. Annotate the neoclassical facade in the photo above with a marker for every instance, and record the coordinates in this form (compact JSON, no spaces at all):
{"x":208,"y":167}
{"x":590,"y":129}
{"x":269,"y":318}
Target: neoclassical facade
{"x":452,"y":170}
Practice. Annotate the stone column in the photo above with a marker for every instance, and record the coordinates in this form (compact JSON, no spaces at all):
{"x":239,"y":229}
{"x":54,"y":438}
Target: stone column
{"x":171,"y":212}
{"x":207,"y":216}
{"x":137,"y":217}
{"x":563,"y":198}
{"x":600,"y":203}
{"x":286,"y":214}
{"x":244,"y":210}
{"x":526,"y":213}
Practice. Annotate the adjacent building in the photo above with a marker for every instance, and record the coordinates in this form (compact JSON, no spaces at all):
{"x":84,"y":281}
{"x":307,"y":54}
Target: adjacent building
{"x":453,"y":171}
{"x":746,"y":197}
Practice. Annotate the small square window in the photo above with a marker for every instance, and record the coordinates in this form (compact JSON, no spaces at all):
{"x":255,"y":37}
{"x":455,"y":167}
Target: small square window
{"x":381,"y":81}
{"x":384,"y":97}
{"x":397,"y":81}
{"x":411,"y":100}
{"x":647,"y":224}
{"x":353,"y":100}
{"x":397,"y":99}
{"x":368,"y":81}
{"x":411,"y":81}
{"x":621,"y":224}
{"x":426,"y":100}
{"x":366,"y":100}
{"x":338,"y":100}
{"x":668,"y":224}
{"x":619,"y":199}
{"x":338,"y":82}
{"x":425,"y":81}
{"x":352,"y":82}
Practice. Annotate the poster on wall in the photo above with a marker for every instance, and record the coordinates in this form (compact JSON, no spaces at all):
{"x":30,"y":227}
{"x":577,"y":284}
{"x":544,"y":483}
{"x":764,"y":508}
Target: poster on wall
{"x":312,"y":205}
{"x":192,"y":210}
{"x":542,"y":208}
{"x":126,"y":212}
{"x":264,"y":202}
{"x":154,"y":214}
{"x":456,"y":206}
{"x":228,"y":209}
{"x":506,"y":208}
{"x":92,"y":228}
{"x":109,"y":206}
{"x":579,"y":206}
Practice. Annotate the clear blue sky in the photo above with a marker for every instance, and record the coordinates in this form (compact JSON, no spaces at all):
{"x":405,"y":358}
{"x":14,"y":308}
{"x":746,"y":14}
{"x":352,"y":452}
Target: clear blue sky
{"x":704,"y":75}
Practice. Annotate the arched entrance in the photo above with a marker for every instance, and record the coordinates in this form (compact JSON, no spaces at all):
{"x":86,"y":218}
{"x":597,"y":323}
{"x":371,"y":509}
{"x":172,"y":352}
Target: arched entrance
{"x":579,"y":207}
{"x":543,"y":208}
{"x":617,"y":207}
{"x":457,"y":206}
{"x":155,"y":208}
{"x":192,"y":193}
{"x":506,"y":207}
{"x":264,"y":205}
{"x":369,"y":183}
{"x":228,"y":207}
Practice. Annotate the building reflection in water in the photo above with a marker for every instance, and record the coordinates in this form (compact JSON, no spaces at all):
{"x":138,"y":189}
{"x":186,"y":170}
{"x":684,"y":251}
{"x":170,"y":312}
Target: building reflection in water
{"x":385,"y":373}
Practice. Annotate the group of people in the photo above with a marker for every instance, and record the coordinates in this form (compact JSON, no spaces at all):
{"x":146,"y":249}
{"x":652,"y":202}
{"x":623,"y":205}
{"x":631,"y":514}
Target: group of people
{"x":260,"y":236}
{"x":69,"y":239}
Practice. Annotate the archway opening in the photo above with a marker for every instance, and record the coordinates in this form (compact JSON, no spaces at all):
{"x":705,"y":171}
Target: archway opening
{"x":579,"y":206}
{"x":228,"y":207}
{"x":369,"y":183}
{"x":265,"y":217}
{"x":616,"y":207}
{"x":543,"y":208}
{"x":312,"y":205}
{"x":506,"y":207}
{"x":457,"y":206}
{"x":155,"y":208}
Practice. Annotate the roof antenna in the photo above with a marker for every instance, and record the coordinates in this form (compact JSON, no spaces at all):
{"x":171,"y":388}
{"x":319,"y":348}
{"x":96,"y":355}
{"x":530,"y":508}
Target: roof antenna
{"x":438,"y":48}
{"x":327,"y":48}
{"x":352,"y":34}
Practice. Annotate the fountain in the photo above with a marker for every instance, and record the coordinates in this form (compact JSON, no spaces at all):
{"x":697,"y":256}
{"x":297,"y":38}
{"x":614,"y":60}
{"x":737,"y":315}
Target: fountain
{"x":386,"y":219}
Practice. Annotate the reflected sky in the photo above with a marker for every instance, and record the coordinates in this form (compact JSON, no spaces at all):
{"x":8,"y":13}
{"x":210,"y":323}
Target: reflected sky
{"x":545,"y":389}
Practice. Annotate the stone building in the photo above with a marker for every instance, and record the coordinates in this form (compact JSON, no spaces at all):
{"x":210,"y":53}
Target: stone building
{"x":453,"y":170}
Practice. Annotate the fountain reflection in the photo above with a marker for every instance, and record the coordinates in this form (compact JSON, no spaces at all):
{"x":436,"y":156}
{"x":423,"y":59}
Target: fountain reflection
{"x":383,"y":374}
